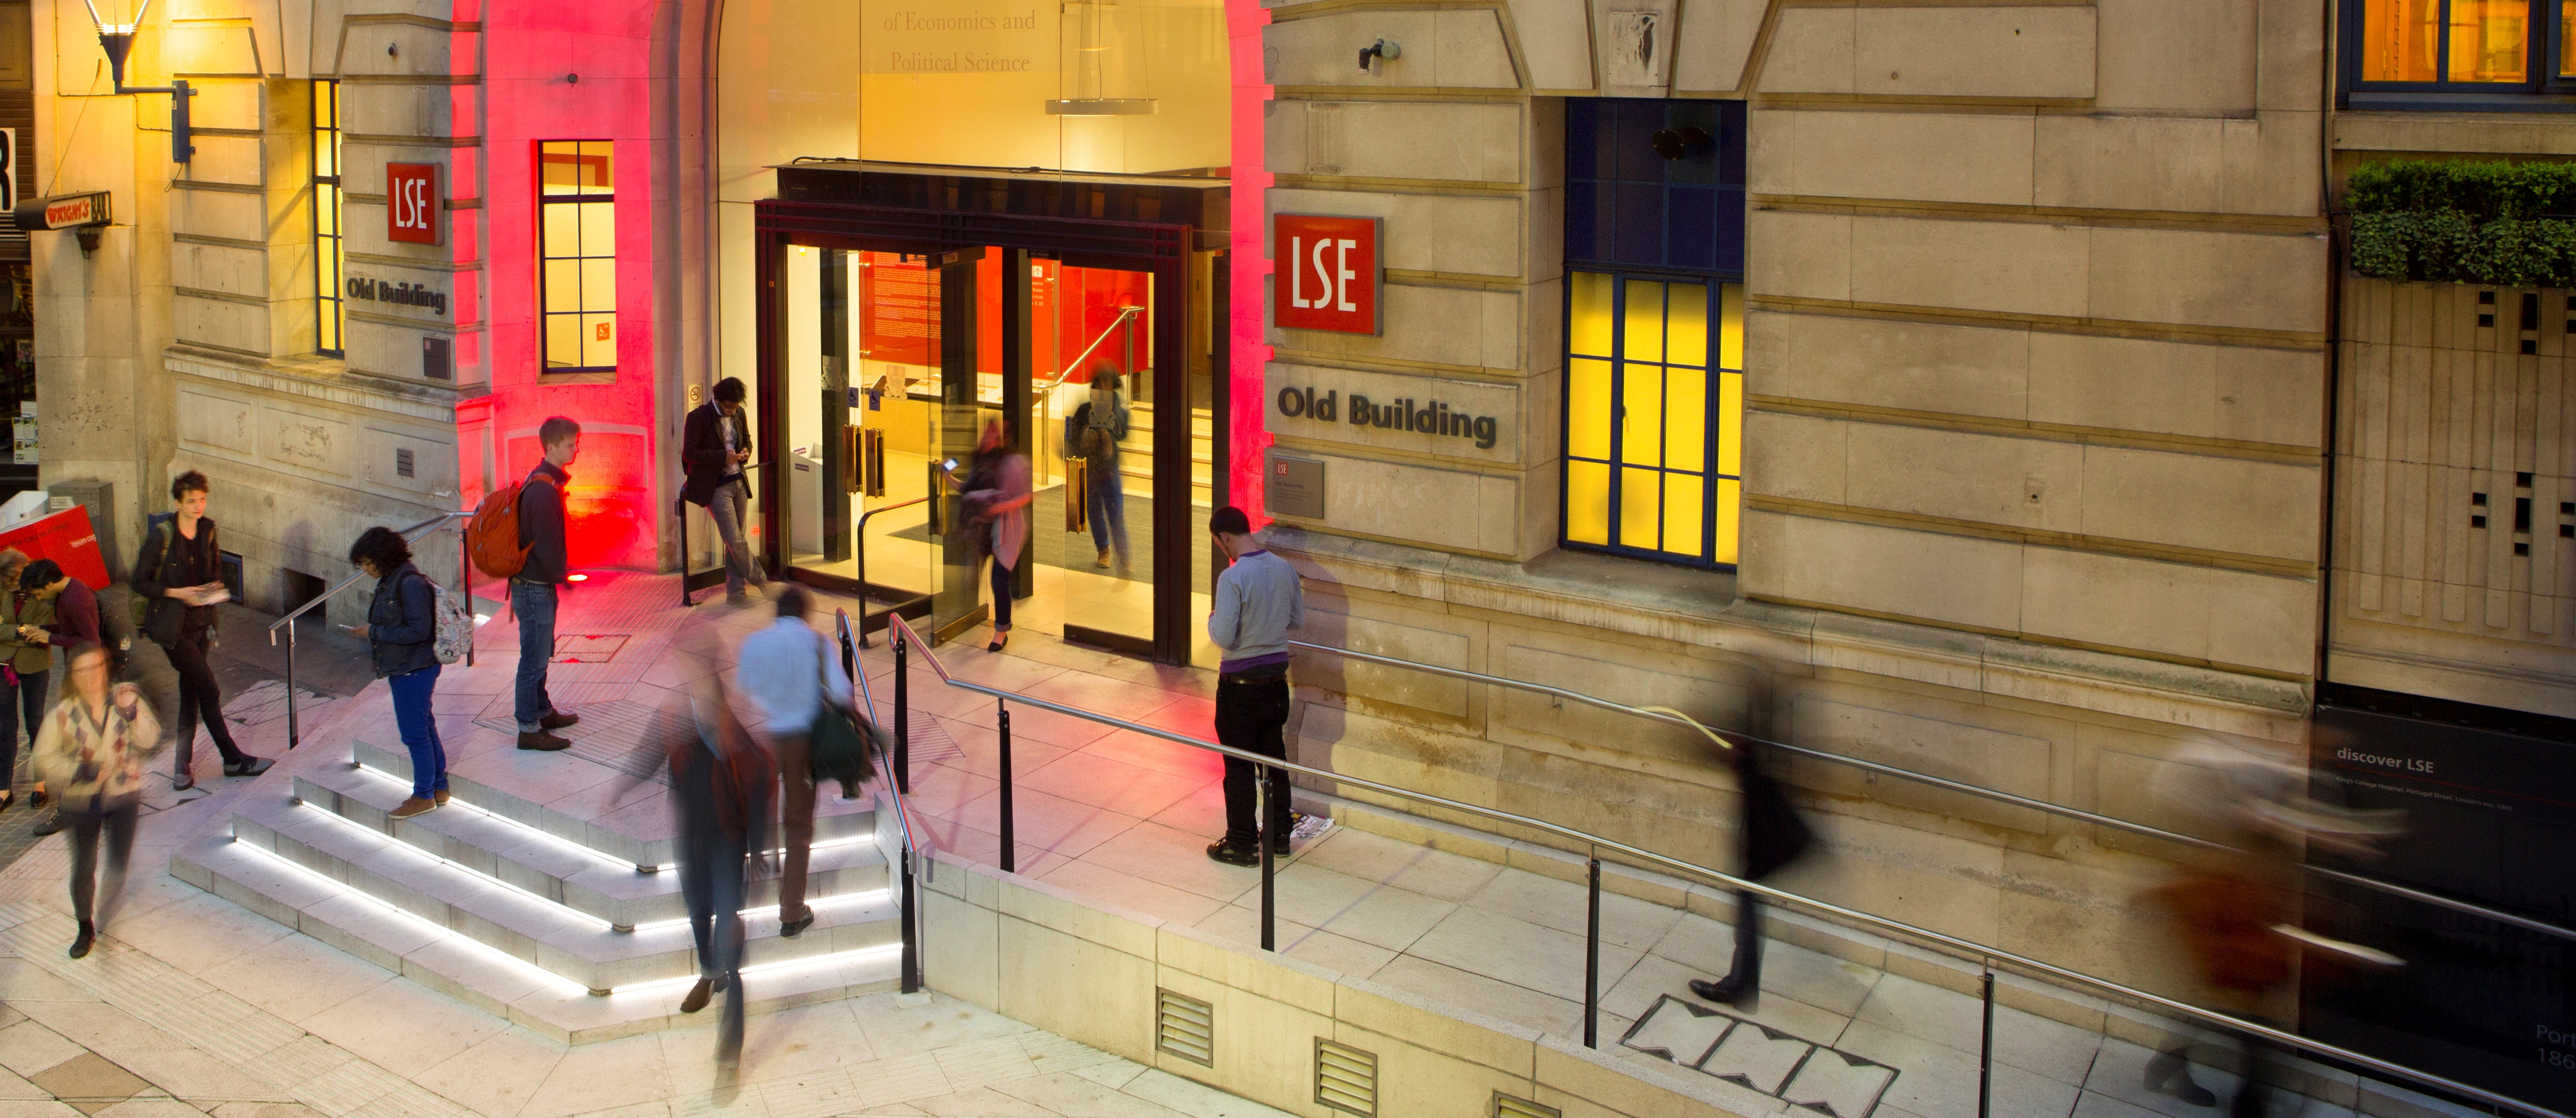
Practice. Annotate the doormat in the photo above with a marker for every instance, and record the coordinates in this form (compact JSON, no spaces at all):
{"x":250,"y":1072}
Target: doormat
{"x":588,"y":648}
{"x":1802,"y":1073}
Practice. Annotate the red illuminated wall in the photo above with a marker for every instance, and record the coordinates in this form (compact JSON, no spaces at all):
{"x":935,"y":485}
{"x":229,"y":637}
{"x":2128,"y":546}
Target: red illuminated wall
{"x":1244,"y":20}
{"x":580,"y":71}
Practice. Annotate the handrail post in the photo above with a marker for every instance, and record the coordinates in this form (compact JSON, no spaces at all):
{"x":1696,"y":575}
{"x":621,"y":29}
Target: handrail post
{"x":910,"y":917}
{"x":680,"y":509}
{"x":1592,"y":960}
{"x":1261,"y":834}
{"x":902,"y":714}
{"x":465,"y":583}
{"x":294,"y":729}
{"x":1986,"y":1046}
{"x":1010,"y":845}
{"x":859,"y":552}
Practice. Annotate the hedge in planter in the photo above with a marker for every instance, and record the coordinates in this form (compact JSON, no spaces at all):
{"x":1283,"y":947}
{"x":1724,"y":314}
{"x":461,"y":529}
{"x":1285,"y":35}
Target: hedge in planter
{"x":2465,"y":222}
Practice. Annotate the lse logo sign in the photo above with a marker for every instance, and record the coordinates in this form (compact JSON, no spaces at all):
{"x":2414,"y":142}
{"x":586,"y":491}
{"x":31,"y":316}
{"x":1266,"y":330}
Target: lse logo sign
{"x":412,"y":203}
{"x":1327,"y":273}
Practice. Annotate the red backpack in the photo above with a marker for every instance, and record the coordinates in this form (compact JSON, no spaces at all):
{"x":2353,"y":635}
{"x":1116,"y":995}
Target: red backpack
{"x":492,"y":539}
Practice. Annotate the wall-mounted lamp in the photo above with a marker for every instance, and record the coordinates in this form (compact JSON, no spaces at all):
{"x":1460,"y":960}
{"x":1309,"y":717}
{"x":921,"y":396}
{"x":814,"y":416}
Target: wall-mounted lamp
{"x":117,"y":39}
{"x":1377,"y":50}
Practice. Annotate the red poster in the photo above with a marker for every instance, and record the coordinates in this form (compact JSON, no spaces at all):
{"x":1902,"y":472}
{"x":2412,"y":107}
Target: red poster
{"x":412,"y":203}
{"x":1326,"y":276}
{"x":66,"y":538}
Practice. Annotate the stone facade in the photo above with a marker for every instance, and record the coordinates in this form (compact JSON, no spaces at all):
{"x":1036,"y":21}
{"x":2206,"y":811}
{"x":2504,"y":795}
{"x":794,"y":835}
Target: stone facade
{"x":2036,"y":378}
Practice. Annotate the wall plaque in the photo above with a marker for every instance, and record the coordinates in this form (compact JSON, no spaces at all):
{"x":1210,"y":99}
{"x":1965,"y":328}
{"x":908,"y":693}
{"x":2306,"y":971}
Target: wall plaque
{"x":412,"y":204}
{"x":1327,"y":273}
{"x":1296,"y":487}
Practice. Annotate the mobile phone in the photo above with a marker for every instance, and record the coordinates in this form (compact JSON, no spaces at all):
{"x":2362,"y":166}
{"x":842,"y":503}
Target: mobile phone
{"x":950,"y":464}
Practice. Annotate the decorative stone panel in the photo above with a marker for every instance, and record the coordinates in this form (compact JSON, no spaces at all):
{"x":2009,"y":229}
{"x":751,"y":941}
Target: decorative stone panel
{"x":2455,"y":493}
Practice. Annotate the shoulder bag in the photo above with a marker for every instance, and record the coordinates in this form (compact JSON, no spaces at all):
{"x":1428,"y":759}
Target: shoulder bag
{"x":833,"y":747}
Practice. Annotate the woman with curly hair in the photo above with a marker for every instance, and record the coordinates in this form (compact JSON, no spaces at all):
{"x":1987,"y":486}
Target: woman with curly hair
{"x":401,"y":622}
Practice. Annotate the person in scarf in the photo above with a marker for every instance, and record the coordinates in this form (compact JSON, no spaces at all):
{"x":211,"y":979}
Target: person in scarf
{"x":90,"y":752}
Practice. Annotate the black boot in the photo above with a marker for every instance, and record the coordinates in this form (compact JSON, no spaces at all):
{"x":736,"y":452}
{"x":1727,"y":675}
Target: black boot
{"x":85,"y":940}
{"x":2169,"y":1074}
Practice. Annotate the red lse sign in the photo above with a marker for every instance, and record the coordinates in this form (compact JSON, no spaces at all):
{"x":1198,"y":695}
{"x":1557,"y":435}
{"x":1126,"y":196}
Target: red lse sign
{"x":1326,"y":276}
{"x":412,"y":203}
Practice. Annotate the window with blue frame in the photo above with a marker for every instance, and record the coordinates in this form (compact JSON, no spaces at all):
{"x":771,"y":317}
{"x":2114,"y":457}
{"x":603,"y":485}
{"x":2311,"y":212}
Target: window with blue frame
{"x":1654,"y":328}
{"x":2486,"y":55}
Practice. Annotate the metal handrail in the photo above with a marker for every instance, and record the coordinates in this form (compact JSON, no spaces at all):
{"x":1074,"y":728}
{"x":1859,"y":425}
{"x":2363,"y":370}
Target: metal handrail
{"x":408,"y":534}
{"x":1997,"y":795}
{"x":912,"y":845}
{"x":860,"y":552}
{"x":1124,"y":313}
{"x":1988,"y":955}
{"x":465,"y":577}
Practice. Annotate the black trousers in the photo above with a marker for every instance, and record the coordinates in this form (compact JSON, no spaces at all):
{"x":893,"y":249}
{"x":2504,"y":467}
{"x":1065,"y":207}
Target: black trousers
{"x":1252,"y":715}
{"x":31,"y":699}
{"x":117,"y":821}
{"x":200,"y":700}
{"x":1747,"y":967}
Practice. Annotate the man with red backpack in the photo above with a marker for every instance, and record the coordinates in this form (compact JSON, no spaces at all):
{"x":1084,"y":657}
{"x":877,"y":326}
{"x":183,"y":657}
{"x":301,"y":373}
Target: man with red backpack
{"x":533,"y":590}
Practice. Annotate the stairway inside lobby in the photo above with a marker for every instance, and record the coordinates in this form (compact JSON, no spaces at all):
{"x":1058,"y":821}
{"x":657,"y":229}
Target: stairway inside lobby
{"x":514,"y":904}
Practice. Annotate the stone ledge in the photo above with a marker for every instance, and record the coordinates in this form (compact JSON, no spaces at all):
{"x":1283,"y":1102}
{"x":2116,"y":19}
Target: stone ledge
{"x":1700,"y":608}
{"x":318,"y":379}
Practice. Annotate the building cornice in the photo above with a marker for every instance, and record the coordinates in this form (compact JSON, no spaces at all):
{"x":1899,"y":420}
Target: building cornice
{"x":317,"y":379}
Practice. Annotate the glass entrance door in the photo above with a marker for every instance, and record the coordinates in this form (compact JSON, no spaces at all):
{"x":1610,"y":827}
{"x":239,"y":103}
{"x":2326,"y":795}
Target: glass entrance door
{"x":896,"y":368}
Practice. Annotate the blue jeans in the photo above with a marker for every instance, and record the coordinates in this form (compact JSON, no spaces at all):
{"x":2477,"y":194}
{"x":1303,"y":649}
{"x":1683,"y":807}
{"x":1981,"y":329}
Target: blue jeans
{"x":1108,"y":501}
{"x":534,"y":602}
{"x":420,"y":730}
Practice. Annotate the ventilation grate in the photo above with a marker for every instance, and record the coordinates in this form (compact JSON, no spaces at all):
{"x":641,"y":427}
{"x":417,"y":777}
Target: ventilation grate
{"x":1345,"y":1078}
{"x":402,"y":462}
{"x":1506,"y":1106}
{"x":1185,"y":1027}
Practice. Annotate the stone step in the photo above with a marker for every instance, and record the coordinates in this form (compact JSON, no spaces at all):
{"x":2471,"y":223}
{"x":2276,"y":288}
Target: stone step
{"x":632,"y":829}
{"x":456,"y":964}
{"x":555,"y":868}
{"x":554,"y":937}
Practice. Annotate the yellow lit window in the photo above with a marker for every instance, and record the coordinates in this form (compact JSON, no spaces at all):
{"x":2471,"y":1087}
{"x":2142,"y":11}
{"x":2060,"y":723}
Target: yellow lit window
{"x":329,"y":249}
{"x":2461,"y":42}
{"x":1653,"y":416}
{"x":2490,"y":41}
{"x":577,"y":255}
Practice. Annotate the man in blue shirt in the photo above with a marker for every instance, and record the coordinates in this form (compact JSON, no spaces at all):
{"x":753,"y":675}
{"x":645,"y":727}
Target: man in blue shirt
{"x":1257,"y":601}
{"x":789,"y":672}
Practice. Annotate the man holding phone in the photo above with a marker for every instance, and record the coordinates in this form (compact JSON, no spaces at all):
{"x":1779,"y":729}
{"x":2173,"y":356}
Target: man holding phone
{"x":1257,"y":601}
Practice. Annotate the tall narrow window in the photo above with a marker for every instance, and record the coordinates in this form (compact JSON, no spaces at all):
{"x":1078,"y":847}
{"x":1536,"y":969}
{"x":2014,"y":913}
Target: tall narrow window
{"x":2480,"y":47}
{"x":329,"y":245}
{"x":577,"y":256}
{"x":1654,"y":415}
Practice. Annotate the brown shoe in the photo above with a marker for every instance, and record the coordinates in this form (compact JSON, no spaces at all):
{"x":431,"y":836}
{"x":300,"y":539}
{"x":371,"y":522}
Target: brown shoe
{"x":1103,"y":561}
{"x":411,"y":806}
{"x":543,"y":740}
{"x":558,"y":720}
{"x":440,"y":797}
{"x":698,"y":996}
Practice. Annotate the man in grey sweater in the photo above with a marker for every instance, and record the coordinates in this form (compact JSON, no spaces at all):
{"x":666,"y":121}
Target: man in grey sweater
{"x":1257,"y":601}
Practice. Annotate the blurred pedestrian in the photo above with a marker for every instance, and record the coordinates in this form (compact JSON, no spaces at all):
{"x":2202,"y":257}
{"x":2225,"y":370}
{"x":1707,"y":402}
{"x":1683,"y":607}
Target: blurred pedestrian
{"x":721,"y":781}
{"x":91,"y":749}
{"x":1098,"y":426}
{"x":790,"y":674}
{"x":2235,"y":907}
{"x":402,"y":621}
{"x":534,"y":591}
{"x":1257,"y":601}
{"x":713,"y":451}
{"x":1769,"y":835}
{"x":25,"y":663}
{"x":997,"y":511}
{"x":183,"y":568}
